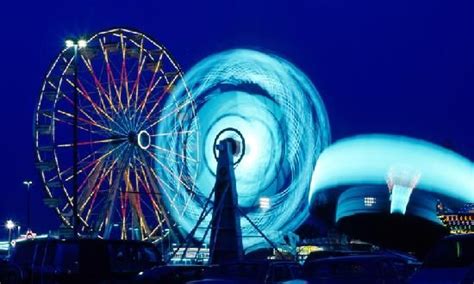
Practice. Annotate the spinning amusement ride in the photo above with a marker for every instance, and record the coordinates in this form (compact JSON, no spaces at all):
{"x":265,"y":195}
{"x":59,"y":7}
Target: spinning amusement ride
{"x":147,"y":138}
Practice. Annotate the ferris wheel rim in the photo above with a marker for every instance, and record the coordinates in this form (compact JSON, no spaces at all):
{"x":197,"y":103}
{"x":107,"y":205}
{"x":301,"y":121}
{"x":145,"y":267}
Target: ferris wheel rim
{"x":55,"y":162}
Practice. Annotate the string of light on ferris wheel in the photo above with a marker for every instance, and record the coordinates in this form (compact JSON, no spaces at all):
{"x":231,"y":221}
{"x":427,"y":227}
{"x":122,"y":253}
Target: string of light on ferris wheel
{"x":110,"y":113}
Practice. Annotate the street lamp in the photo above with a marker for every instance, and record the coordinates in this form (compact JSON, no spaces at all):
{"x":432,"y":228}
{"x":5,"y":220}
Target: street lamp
{"x":10,"y":225}
{"x":28,"y":183}
{"x":76,"y":44}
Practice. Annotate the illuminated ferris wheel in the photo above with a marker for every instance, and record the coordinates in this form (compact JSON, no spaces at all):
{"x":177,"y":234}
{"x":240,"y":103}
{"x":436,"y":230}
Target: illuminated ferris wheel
{"x":123,"y":81}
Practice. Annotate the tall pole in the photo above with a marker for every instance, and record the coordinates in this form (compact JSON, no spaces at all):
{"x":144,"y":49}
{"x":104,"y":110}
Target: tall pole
{"x":9,"y":241}
{"x":75,"y":44}
{"x":28,"y":183}
{"x":10,"y":225}
{"x":75,"y":136}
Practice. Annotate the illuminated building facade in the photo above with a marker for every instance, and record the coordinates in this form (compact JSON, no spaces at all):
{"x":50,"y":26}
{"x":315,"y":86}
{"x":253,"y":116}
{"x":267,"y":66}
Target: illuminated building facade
{"x":458,"y":222}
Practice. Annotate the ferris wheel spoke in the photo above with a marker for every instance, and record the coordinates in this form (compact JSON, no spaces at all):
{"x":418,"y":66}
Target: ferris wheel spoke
{"x":81,"y":90}
{"x":138,"y":115}
{"x":115,"y":187}
{"x":131,"y":196}
{"x":141,"y":59}
{"x":84,"y":121}
{"x":173,"y":133}
{"x":159,"y":182}
{"x":91,"y":178}
{"x":153,"y":83}
{"x":183,"y":157}
{"x":83,"y":112}
{"x":154,"y":107}
{"x":167,"y":169}
{"x":110,"y":75}
{"x":146,"y":185}
{"x":189,"y":199}
{"x":82,"y":127}
{"x":64,"y":172}
{"x":166,"y":90}
{"x":167,"y":158}
{"x":90,"y":186}
{"x":148,"y":174}
{"x":154,"y":117}
{"x":87,"y":143}
{"x":99,"y":110}
{"x":78,"y":126}
{"x":162,"y":118}
{"x":135,"y":203}
{"x":91,"y":207}
{"x":92,"y":163}
{"x":123,"y":73}
{"x":98,"y":85}
{"x":123,"y":211}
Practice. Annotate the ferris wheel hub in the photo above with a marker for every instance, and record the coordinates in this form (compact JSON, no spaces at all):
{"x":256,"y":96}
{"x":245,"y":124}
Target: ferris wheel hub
{"x":143,"y":139}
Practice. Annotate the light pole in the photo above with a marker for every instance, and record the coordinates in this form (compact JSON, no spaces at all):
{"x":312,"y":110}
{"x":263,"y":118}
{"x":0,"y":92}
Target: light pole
{"x":75,"y":135}
{"x":10,"y":225}
{"x":28,"y":183}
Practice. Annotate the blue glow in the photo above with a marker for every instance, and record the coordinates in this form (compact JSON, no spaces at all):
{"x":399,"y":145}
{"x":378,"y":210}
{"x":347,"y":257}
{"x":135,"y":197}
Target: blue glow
{"x":371,"y":159}
{"x":399,"y":198}
{"x":284,"y":122}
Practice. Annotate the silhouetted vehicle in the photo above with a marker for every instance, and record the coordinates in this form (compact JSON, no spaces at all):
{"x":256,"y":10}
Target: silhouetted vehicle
{"x":364,"y":268}
{"x":79,"y":261}
{"x":170,"y":274}
{"x":322,"y":254}
{"x":450,"y":261}
{"x":268,"y":271}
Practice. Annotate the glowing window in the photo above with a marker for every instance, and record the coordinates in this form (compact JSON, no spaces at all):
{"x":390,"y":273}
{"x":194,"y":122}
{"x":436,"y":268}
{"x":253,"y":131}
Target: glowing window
{"x":265,"y":203}
{"x":369,"y":201}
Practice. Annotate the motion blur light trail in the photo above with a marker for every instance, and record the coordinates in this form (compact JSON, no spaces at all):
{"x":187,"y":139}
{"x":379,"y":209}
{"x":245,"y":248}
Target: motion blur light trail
{"x":284,"y":123}
{"x":406,"y":164}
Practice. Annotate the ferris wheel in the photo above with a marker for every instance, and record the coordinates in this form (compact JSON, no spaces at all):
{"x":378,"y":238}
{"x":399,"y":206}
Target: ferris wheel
{"x":124,"y":81}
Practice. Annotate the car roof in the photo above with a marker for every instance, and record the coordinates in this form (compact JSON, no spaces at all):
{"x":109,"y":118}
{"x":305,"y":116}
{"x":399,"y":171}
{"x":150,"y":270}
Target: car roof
{"x":53,"y":240}
{"x":459,"y":237}
{"x":369,"y":257}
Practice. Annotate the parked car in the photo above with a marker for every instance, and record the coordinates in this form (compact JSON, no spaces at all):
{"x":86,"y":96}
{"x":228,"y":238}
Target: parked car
{"x":364,"y":268}
{"x":261,"y":271}
{"x":322,"y":254}
{"x":175,"y":274}
{"x":450,"y":261}
{"x":79,"y":261}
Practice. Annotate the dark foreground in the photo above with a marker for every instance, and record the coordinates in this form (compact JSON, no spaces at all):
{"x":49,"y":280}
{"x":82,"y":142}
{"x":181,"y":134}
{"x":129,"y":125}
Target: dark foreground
{"x":100,"y":261}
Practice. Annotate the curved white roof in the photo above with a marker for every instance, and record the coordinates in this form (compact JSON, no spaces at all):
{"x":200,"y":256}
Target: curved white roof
{"x":372,"y":159}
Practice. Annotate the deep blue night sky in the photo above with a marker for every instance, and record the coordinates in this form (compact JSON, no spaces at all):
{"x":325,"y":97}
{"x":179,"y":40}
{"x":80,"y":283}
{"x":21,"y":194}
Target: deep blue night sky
{"x":400,"y":67}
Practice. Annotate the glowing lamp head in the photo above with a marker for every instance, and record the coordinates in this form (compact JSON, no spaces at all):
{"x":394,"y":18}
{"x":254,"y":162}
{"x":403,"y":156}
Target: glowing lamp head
{"x":69,"y":43}
{"x":82,"y":43}
{"x":9,"y":225}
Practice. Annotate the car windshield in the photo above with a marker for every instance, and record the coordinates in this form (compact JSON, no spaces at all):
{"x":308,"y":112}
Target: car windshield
{"x":452,"y":253}
{"x":239,"y":270}
{"x":352,"y":267}
{"x":343,"y":268}
{"x":67,"y":257}
{"x":127,"y":257}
